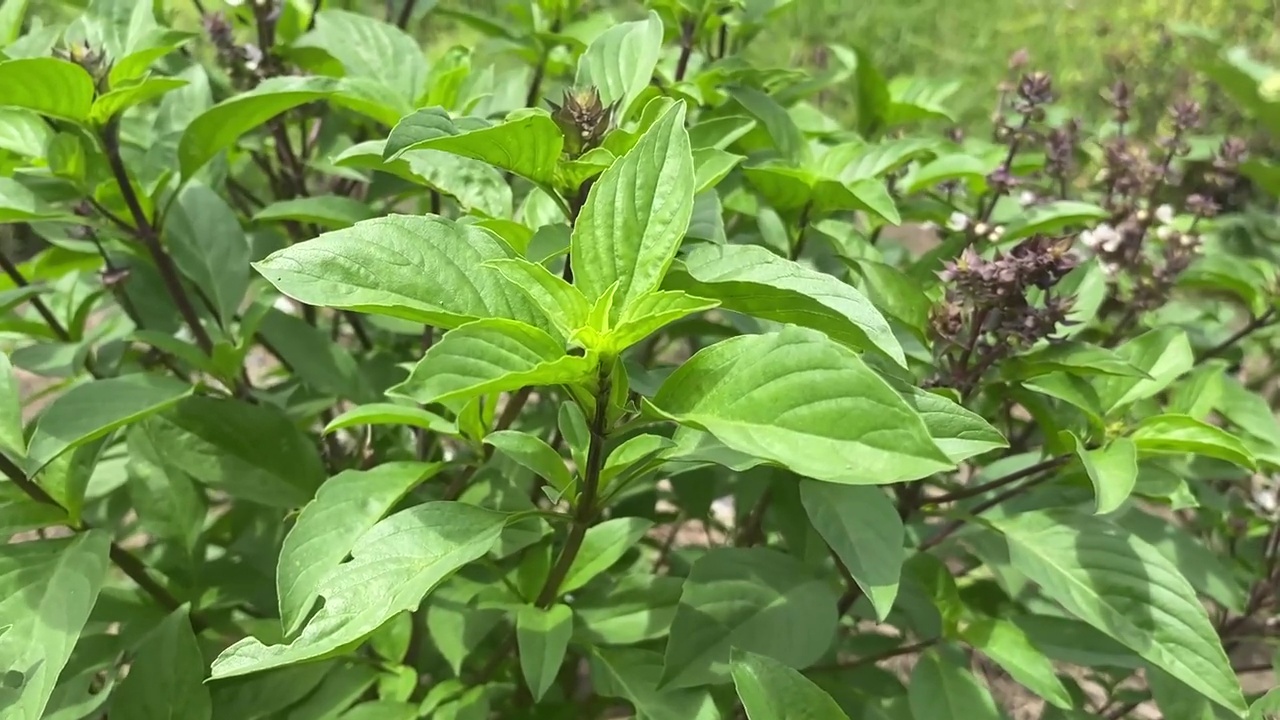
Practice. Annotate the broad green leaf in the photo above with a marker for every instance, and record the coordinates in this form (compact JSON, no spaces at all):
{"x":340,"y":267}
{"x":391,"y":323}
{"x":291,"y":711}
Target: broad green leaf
{"x":650,"y":313}
{"x":391,"y":414}
{"x":47,"y":589}
{"x":1007,"y":645}
{"x":370,"y":49}
{"x":620,"y":61}
{"x":711,"y":166}
{"x":209,"y":247}
{"x":534,"y":453}
{"x":634,"y":674}
{"x":1247,"y":410}
{"x":111,"y":104}
{"x":602,"y":546}
{"x":385,"y":710}
{"x":328,"y":211}
{"x":24,"y":132}
{"x":313,"y":357}
{"x":89,"y":411}
{"x":11,"y":14}
{"x":167,"y":500}
{"x":1073,"y":357}
{"x":346,"y":506}
{"x":860,"y":161}
{"x":1163,"y":354}
{"x":636,"y":215}
{"x":488,"y":356}
{"x":1113,"y":470}
{"x":19,"y":204}
{"x":1052,"y":217}
{"x":1201,"y":564}
{"x":474,"y":184}
{"x":12,"y":441}
{"x":719,"y":132}
{"x":1184,"y":434}
{"x":1266,"y":707}
{"x":19,"y":513}
{"x":542,"y":637}
{"x":224,"y":444}
{"x":561,"y":303}
{"x":166,"y":677}
{"x":218,"y":128}
{"x":771,"y":690}
{"x":863,"y":528}
{"x":800,"y":400}
{"x":381,"y":266}
{"x":942,"y":688}
{"x":1126,"y":588}
{"x":947,"y":168}
{"x":526,"y":143}
{"x":1176,"y":701}
{"x":392,"y":567}
{"x":752,"y":280}
{"x":959,"y":433}
{"x":789,"y":188}
{"x":50,"y":86}
{"x":638,"y":607}
{"x":753,"y":599}
{"x":893,"y":293}
{"x":774,"y":122}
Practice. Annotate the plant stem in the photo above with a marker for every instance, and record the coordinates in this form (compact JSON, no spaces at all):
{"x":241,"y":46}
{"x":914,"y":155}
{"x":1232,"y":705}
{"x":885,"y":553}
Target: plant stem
{"x":999,"y":482}
{"x":146,"y":232}
{"x":586,"y":509}
{"x":950,"y":528}
{"x":1253,"y":326}
{"x":686,"y":50}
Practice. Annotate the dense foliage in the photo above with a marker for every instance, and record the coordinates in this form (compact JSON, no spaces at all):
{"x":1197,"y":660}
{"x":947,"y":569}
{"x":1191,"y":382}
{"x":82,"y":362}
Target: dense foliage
{"x":592,"y":372}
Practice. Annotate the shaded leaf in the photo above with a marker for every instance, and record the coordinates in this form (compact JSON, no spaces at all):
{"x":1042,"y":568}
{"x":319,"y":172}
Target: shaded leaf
{"x":864,"y":529}
{"x":166,"y":677}
{"x":771,"y":690}
{"x":542,"y":637}
{"x":50,"y":86}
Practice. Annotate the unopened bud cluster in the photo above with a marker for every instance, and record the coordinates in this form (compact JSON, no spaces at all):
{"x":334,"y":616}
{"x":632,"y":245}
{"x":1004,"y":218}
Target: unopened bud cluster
{"x":583,"y":118}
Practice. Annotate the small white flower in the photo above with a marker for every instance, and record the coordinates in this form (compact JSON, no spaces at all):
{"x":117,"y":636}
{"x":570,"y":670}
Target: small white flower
{"x":1189,"y":240}
{"x":996,"y":233}
{"x":957,"y":222}
{"x":1164,"y":233}
{"x":1164,"y":214}
{"x":929,"y":226}
{"x":1027,"y":198}
{"x":1106,"y":237}
{"x":1089,"y":240}
{"x":1266,"y":500}
{"x":1143,"y":215}
{"x":1111,"y":244}
{"x":1110,"y":269}
{"x":981,"y":229}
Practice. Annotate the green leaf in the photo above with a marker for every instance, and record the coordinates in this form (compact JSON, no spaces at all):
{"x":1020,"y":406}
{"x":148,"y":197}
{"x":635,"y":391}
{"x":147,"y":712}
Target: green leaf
{"x":166,"y":498}
{"x":1184,"y":434}
{"x":1163,"y":354}
{"x":797,"y":399}
{"x":774,"y":120}
{"x":542,"y":637}
{"x":650,"y":313}
{"x":711,"y":166}
{"x":752,"y":280}
{"x":89,"y":411}
{"x":370,"y":49}
{"x":12,"y":441}
{"x":770,"y":690}
{"x":379,"y":266}
{"x":533,"y":453}
{"x":947,"y":168}
{"x":1126,"y":588}
{"x":863,"y":528}
{"x":959,"y":433}
{"x":1007,"y":645}
{"x":620,"y":61}
{"x":312,"y":356}
{"x":1113,"y":470}
{"x":1076,"y":358}
{"x":636,"y":215}
{"x":209,"y":247}
{"x":221,"y":444}
{"x":111,"y":104}
{"x":943,"y":688}
{"x":47,"y":589}
{"x":218,"y":128}
{"x":1052,"y":217}
{"x":346,"y":506}
{"x":1266,"y":707}
{"x":166,"y":678}
{"x":561,"y":303}
{"x":391,"y":414}
{"x":752,"y":599}
{"x":527,"y":143}
{"x":602,"y":546}
{"x":49,"y":86}
{"x":19,"y":204}
{"x":328,"y":211}
{"x":1202,"y":565}
{"x":638,"y":607}
{"x":789,"y":188}
{"x":1247,"y":410}
{"x":19,"y":513}
{"x":488,"y":356}
{"x":893,"y":293}
{"x":633,"y":674}
{"x":392,"y":567}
